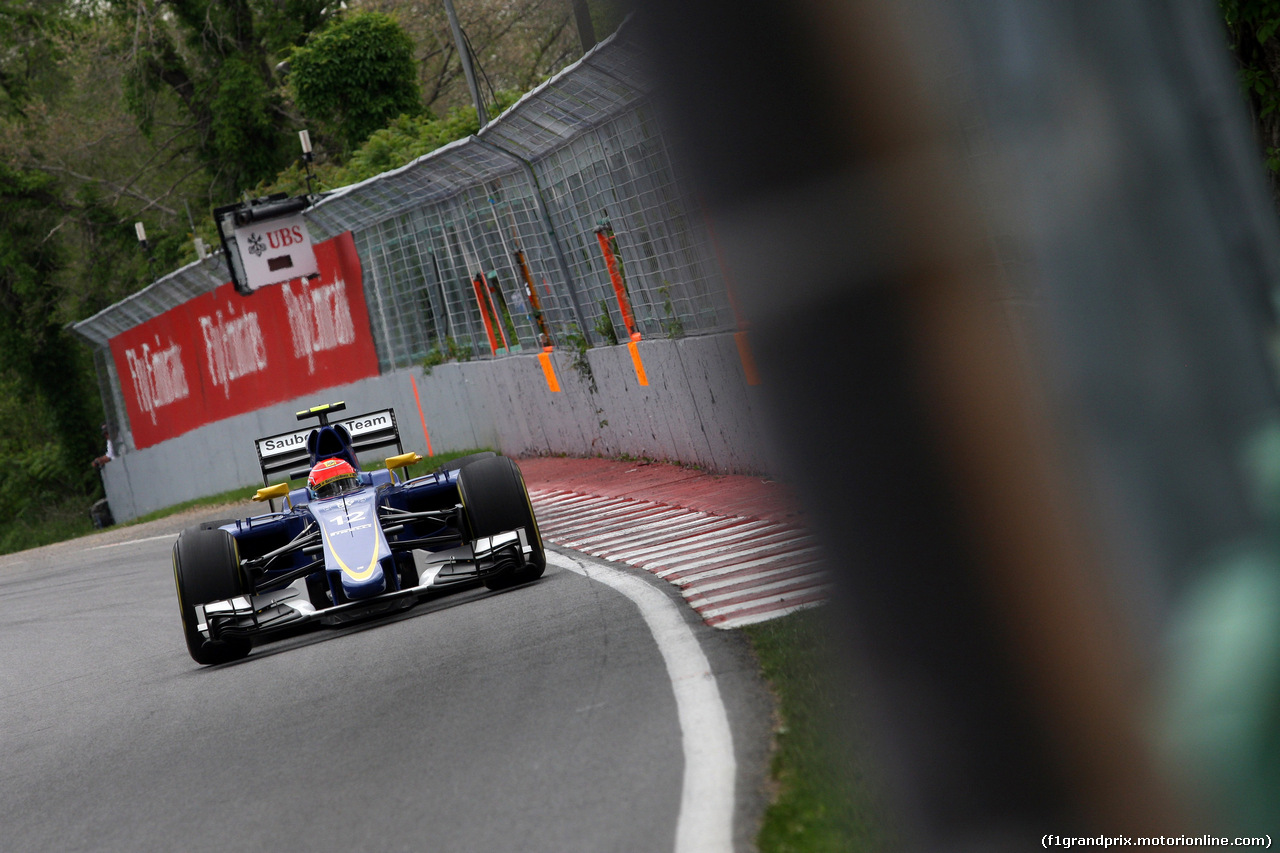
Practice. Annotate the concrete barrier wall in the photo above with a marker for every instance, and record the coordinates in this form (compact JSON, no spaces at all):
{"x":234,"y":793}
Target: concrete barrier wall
{"x":698,"y":408}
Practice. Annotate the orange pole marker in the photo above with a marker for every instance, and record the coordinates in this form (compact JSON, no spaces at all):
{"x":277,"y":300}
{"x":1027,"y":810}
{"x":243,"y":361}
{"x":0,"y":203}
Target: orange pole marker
{"x":615,"y":277}
{"x":482,"y":301}
{"x":748,"y":360}
{"x":532,"y":292}
{"x":549,"y":370}
{"x":499,"y":305}
{"x":641,"y":376}
{"x":421,"y":417}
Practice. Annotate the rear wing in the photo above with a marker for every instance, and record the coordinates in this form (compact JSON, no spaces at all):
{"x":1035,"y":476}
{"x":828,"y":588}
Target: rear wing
{"x":287,"y":451}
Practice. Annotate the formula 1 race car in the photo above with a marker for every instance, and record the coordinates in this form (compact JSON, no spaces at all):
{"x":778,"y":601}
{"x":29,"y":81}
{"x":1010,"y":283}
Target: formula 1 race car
{"x":352,"y":543}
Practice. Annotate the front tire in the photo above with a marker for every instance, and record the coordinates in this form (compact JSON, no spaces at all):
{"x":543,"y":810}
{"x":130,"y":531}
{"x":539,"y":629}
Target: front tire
{"x":206,"y":568}
{"x":495,"y":500}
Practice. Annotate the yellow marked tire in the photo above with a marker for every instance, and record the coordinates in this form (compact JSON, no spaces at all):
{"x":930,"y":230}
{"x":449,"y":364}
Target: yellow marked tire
{"x":495,"y":500}
{"x":206,"y":567}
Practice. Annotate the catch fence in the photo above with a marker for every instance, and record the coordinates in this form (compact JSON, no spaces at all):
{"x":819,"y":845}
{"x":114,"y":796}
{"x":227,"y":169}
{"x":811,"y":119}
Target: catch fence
{"x":562,"y":222}
{"x":563,"y":217}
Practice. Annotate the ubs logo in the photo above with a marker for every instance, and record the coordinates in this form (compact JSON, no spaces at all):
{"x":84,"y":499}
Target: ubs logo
{"x":256,"y":246}
{"x":284,"y":237}
{"x":280,"y":238}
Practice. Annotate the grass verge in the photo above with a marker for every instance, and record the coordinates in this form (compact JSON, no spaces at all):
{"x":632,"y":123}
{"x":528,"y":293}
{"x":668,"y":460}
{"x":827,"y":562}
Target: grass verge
{"x":55,"y":522}
{"x":234,"y":496}
{"x":824,"y":802}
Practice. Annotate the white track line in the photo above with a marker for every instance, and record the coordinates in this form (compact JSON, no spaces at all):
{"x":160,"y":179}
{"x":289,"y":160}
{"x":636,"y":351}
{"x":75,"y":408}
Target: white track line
{"x":132,"y":542}
{"x":705,"y":824}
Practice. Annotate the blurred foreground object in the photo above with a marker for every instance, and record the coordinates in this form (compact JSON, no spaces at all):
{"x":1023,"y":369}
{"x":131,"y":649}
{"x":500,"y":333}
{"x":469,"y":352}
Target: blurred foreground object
{"x":1007,"y":268}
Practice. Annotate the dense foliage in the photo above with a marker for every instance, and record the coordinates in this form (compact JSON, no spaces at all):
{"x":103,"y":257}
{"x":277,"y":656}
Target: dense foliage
{"x":209,"y":63}
{"x":355,"y":77}
{"x":1252,"y":31}
{"x":119,"y":111}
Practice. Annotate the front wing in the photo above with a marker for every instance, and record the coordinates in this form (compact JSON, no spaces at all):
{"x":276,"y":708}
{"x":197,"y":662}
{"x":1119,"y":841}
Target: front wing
{"x":260,"y":614}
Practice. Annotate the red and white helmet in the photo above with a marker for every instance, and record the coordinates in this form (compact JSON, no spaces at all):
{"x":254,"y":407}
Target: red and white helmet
{"x":330,"y":478}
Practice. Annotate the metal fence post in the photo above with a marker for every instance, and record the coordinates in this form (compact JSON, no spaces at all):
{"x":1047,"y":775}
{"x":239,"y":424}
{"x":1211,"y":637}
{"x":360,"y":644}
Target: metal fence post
{"x":545,"y":215}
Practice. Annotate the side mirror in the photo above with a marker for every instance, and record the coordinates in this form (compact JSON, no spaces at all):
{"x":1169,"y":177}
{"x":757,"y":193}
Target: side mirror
{"x":404,"y":460}
{"x":279,"y":490}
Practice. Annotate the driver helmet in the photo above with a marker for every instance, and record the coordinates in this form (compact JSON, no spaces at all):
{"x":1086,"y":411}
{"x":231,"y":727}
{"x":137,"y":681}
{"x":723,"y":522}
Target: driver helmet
{"x":332,"y":477}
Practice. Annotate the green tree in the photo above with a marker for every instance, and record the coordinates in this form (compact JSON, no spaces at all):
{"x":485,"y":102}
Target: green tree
{"x":355,"y":77}
{"x":1251,"y":31}
{"x":113,"y":111}
{"x":30,"y":64}
{"x":516,"y":43}
{"x":215,"y":60}
{"x":34,"y":345}
{"x":37,"y":356}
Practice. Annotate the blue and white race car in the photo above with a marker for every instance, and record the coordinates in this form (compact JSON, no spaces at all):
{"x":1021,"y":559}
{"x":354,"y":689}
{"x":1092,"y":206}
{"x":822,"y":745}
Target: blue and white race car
{"x":351,"y":543}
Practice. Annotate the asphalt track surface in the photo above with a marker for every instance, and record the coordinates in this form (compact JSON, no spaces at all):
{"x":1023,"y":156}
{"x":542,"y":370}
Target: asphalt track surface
{"x":543,"y":718}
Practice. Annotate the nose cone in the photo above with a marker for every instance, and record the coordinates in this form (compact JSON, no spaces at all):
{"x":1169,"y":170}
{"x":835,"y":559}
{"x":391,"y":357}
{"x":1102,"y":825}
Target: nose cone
{"x":354,"y":545}
{"x":357,"y":558}
{"x":374,"y":584}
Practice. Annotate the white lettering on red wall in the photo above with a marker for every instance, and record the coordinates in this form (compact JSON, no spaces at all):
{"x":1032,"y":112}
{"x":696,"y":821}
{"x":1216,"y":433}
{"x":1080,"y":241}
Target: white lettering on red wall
{"x":319,"y":319}
{"x":233,"y":348}
{"x":285,"y":342}
{"x":158,"y":376}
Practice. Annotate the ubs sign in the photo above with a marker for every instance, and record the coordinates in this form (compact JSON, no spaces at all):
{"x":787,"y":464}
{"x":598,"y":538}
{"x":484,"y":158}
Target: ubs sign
{"x":275,"y":251}
{"x":266,"y":241}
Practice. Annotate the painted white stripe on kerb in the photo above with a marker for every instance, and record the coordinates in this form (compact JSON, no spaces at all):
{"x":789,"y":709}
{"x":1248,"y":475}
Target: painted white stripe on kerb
{"x":578,"y":510}
{"x":560,"y":504}
{"x":757,"y":594}
{"x":705,"y":824}
{"x":592,"y":520}
{"x":659,"y":522}
{"x":557,"y":495}
{"x":709,"y":612}
{"x":710,"y":543}
{"x":748,"y":576}
{"x":664,"y":531}
{"x":719,"y":557}
{"x":757,"y":618}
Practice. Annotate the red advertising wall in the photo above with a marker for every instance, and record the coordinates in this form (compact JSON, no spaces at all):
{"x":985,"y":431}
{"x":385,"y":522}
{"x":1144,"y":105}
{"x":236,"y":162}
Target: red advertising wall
{"x":223,"y":354}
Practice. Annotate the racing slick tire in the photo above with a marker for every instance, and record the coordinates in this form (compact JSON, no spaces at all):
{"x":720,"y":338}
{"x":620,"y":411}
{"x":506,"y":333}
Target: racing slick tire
{"x":206,"y":567}
{"x":495,"y":500}
{"x":463,"y":461}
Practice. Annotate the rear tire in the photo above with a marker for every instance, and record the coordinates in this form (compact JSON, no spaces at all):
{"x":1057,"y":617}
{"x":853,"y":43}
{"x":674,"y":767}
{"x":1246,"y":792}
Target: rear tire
{"x":206,"y":567}
{"x":495,"y":500}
